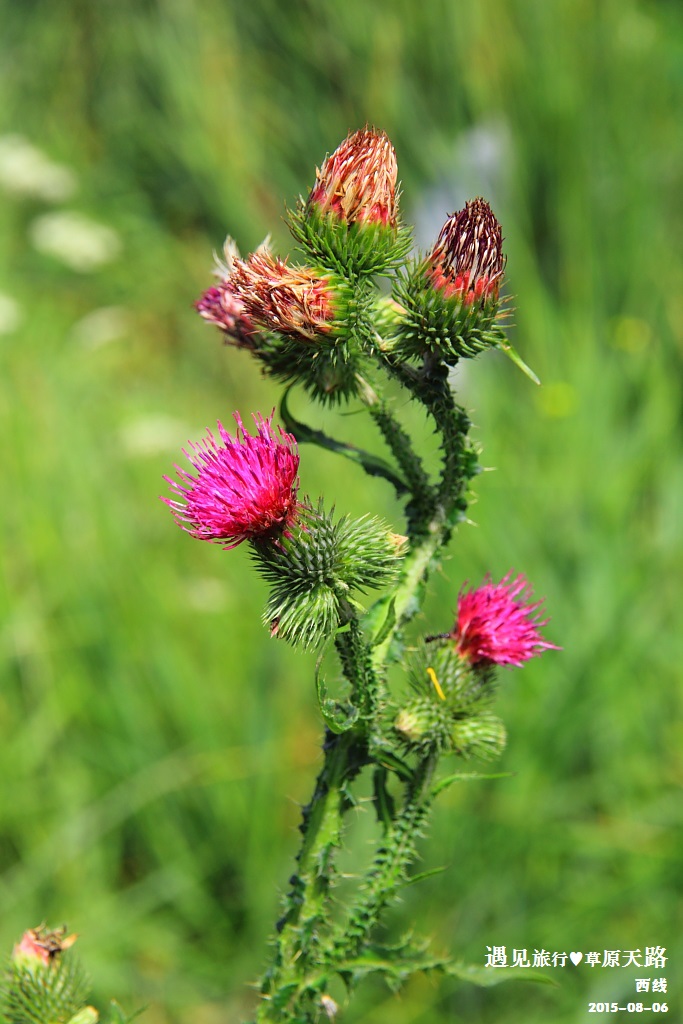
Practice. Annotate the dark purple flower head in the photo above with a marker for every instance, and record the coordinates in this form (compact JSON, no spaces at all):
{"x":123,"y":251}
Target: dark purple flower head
{"x":245,"y":489}
{"x":496,"y":623}
{"x":467,"y":260}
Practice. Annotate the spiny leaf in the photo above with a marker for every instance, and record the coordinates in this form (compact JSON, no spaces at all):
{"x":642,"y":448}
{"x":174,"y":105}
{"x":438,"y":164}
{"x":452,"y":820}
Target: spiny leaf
{"x":390,"y":760}
{"x":389,"y":621}
{"x":514,"y":355}
{"x":424,"y":874}
{"x":338,"y":717}
{"x":467,"y":777}
{"x":397,"y":964}
{"x":487,"y":977}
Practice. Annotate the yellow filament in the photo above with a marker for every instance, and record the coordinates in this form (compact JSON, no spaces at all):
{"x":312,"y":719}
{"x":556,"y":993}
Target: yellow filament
{"x":437,"y":685}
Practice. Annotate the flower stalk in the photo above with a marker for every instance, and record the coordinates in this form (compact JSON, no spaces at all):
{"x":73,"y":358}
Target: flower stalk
{"x":322,"y":325}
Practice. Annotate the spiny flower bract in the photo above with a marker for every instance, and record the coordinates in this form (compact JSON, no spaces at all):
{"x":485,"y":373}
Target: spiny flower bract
{"x":44,"y":984}
{"x":313,"y":571}
{"x":246,"y":487}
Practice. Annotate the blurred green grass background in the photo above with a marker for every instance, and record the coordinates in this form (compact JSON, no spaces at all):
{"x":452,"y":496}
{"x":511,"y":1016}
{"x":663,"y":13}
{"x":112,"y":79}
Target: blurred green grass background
{"x":156,"y":745}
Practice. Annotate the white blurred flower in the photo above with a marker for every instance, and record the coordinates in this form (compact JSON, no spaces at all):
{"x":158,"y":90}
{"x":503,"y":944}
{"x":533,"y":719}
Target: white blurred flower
{"x":152,"y":435}
{"x":26,"y":171}
{"x":478,"y":164}
{"x":101,"y":327}
{"x":11,"y":314}
{"x":79,"y":242}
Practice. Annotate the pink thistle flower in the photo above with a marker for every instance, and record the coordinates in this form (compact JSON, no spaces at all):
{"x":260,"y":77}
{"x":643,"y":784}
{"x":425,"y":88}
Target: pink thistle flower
{"x":358,"y":182}
{"x":220,"y":306}
{"x":246,"y":488}
{"x":496,"y":623}
{"x":467,"y":260}
{"x":41,"y":946}
{"x":297,"y":301}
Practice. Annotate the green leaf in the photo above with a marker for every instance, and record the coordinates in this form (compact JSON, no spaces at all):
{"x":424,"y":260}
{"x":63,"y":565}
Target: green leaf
{"x":338,"y":717}
{"x":390,"y":760}
{"x":372,"y":464}
{"x":383,"y":800}
{"x":397,"y":963}
{"x":389,"y":619}
{"x":467,"y":777}
{"x":487,"y":977}
{"x":424,"y":874}
{"x":514,"y":355}
{"x":117,"y":1016}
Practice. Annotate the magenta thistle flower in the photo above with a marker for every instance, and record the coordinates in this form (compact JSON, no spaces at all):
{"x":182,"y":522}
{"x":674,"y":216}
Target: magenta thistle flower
{"x":245,"y":489}
{"x":496,"y":623}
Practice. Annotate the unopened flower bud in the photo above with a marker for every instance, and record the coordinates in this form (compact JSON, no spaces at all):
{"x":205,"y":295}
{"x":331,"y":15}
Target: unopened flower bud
{"x":450,"y":300}
{"x":424,"y":723}
{"x":41,"y":946}
{"x":43,"y":986}
{"x":299,"y":302}
{"x":350,"y":219}
{"x":88,"y":1015}
{"x":357,"y":183}
{"x":482,"y":735}
{"x":314,"y":571}
{"x":467,"y":260}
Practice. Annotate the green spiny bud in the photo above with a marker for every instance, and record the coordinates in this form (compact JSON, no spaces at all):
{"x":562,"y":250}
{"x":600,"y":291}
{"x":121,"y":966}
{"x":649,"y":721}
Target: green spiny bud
{"x":329,"y":372}
{"x":481,"y":735}
{"x":315,"y":570}
{"x":42,"y":985}
{"x":424,"y":724}
{"x":438,"y":669}
{"x":88,"y":1015}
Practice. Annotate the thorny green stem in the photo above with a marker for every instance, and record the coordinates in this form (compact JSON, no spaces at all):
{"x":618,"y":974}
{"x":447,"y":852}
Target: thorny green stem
{"x":304,"y":944}
{"x":430,"y":387}
{"x":307,"y":901}
{"x":422,"y":502}
{"x":392,"y":860}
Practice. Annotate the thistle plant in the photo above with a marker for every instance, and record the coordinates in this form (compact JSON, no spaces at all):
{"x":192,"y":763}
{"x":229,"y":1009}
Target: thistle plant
{"x":45,"y":984}
{"x":324,"y":325}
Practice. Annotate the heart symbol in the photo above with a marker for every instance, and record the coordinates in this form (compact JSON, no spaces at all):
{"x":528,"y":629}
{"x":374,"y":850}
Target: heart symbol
{"x":576,"y":958}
